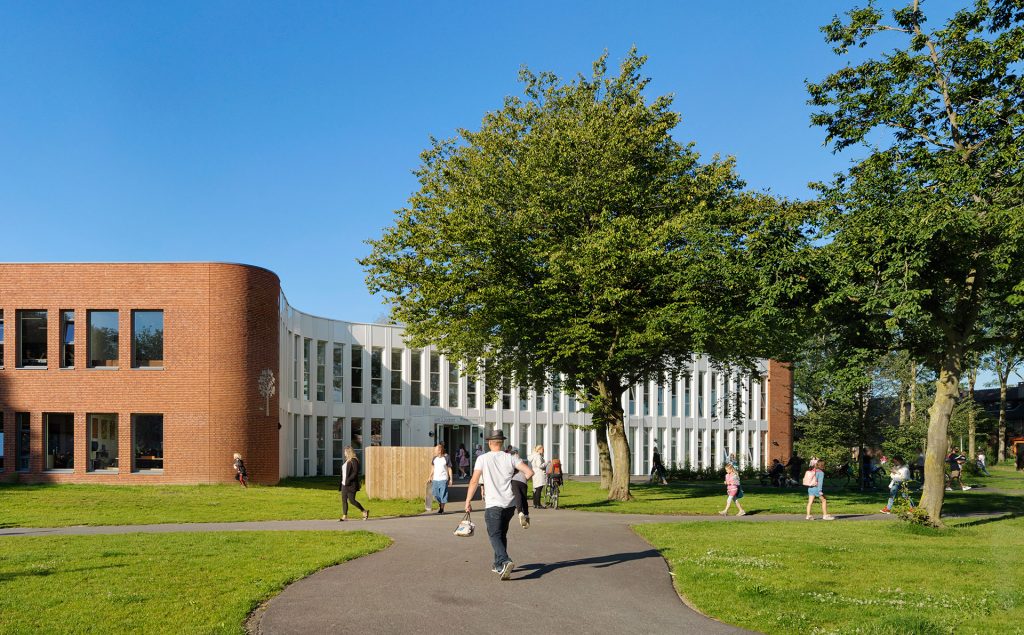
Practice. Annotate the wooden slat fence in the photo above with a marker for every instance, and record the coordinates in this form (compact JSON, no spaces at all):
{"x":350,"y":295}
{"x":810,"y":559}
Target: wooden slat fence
{"x":396,"y":472}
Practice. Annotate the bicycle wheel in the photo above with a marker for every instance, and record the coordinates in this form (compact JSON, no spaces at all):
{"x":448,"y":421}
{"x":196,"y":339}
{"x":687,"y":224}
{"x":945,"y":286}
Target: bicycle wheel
{"x":553,"y":498}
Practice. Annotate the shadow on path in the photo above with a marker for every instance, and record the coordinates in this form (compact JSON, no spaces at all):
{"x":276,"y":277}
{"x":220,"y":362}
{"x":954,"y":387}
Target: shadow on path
{"x":599,"y":562}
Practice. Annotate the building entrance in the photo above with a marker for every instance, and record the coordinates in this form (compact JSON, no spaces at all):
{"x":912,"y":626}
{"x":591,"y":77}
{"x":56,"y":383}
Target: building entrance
{"x":452,"y":435}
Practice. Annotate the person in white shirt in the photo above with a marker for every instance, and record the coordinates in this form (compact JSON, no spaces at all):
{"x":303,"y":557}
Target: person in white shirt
{"x":440,"y":476}
{"x":900,"y":474}
{"x":981,"y":464}
{"x":495,"y":470}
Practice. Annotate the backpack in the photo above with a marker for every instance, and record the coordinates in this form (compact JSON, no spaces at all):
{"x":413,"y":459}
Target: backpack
{"x":811,"y":478}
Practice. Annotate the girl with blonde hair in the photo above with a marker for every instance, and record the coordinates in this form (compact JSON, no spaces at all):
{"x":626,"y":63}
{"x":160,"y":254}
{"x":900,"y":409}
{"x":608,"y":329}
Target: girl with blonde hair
{"x":349,"y":485}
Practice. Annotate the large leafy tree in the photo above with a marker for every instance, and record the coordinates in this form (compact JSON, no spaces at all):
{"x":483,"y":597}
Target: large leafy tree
{"x":925,"y":232}
{"x":571,"y":236}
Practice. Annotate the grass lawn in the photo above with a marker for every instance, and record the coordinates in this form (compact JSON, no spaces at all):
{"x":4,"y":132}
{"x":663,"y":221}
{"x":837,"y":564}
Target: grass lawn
{"x":819,"y":577}
{"x":158,"y":583}
{"x":1004,"y":476}
{"x":292,"y":499}
{"x":688,"y":497}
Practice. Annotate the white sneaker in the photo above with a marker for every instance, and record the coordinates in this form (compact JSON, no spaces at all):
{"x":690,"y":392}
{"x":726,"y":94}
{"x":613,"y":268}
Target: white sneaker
{"x":949,"y":489}
{"x":828,"y":517}
{"x":506,"y":570}
{"x":966,"y":487}
{"x":524,"y":520}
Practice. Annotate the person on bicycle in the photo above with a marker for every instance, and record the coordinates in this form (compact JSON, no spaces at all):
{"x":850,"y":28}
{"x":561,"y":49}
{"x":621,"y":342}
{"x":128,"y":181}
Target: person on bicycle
{"x":555,"y":473}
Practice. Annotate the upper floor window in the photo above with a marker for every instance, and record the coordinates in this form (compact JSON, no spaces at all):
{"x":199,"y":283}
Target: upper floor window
{"x":104,"y":332}
{"x":32,"y":338}
{"x":556,"y":394}
{"x":396,"y":376}
{"x":307,"y":355}
{"x":147,"y":339}
{"x":67,"y":339}
{"x":453,"y":384}
{"x":338,"y":376}
{"x":357,"y":374}
{"x":416,"y":378}
{"x":435,"y":379}
{"x":471,"y":392}
{"x":376,"y":375}
{"x":321,"y":371}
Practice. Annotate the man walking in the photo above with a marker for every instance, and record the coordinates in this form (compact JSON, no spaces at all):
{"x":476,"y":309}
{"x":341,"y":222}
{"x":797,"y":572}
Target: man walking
{"x":495,"y":469}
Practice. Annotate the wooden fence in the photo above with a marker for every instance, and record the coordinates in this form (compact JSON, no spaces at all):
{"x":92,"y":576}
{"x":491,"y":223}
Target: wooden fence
{"x":397,"y":472}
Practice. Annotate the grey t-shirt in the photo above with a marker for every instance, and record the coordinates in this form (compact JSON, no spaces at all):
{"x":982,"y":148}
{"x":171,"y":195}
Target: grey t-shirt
{"x":496,"y":470}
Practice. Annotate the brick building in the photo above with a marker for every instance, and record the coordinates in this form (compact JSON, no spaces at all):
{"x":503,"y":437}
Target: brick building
{"x":160,"y":383}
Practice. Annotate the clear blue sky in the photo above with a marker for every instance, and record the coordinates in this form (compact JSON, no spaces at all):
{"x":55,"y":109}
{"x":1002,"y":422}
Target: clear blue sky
{"x":283,"y":134}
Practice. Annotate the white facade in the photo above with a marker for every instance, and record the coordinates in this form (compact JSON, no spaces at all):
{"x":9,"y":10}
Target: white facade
{"x":693,"y":419}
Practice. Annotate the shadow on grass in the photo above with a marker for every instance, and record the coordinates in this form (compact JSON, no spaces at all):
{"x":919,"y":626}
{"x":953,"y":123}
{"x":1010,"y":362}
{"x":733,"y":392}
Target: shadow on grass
{"x":43,"y":572}
{"x":598,"y":562}
{"x":986,"y":521}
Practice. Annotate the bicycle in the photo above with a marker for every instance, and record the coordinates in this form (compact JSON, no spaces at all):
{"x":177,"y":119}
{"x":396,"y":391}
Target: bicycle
{"x":551,"y":493}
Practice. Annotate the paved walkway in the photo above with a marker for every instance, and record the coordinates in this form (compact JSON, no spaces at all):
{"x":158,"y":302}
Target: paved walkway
{"x":574,"y":570}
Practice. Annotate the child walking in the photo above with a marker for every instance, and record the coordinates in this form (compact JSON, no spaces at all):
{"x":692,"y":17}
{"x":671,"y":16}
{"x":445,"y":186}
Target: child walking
{"x":240,"y":474}
{"x":733,"y":489}
{"x":814,"y":479}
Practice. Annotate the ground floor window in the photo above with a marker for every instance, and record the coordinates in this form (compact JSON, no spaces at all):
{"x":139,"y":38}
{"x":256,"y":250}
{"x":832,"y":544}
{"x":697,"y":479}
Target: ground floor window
{"x":305,"y":444}
{"x":338,"y":444}
{"x":524,"y":441}
{"x":101,"y":432}
{"x":556,"y":443}
{"x":22,"y":436}
{"x":570,"y":468}
{"x":321,"y":445}
{"x":701,"y":434}
{"x":148,"y":442}
{"x":357,"y":437}
{"x":539,"y":437}
{"x":59,"y":442}
{"x":376,"y":432}
{"x":396,"y":432}
{"x":295,"y":445}
{"x":586,"y":452}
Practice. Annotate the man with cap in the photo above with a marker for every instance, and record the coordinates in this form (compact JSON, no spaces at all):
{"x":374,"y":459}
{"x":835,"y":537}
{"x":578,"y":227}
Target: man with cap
{"x":495,"y":469}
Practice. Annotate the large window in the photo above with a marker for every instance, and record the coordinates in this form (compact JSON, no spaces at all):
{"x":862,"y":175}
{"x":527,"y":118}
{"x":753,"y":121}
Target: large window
{"x":556,"y":394}
{"x":673,"y":389}
{"x":321,"y":371}
{"x":687,"y":401}
{"x":570,"y":466}
{"x":471,"y":392}
{"x":101,"y":435}
{"x":632,"y":399}
{"x":539,"y":401}
{"x":396,"y":432}
{"x":524,"y":441}
{"x":763,"y":387}
{"x":750,"y":397}
{"x":148,"y":442}
{"x":338,"y":444}
{"x":357,"y":374}
{"x":396,"y":376}
{"x":357,"y":437}
{"x":321,"y":445}
{"x":376,"y":432}
{"x":307,"y":421}
{"x":700,"y":393}
{"x":416,"y":378}
{"x":67,"y":339}
{"x":714,"y":396}
{"x":524,"y":400}
{"x":296,"y":440}
{"x":295,"y":367}
{"x":453,"y":384}
{"x":59,"y":441}
{"x":104,"y":331}
{"x":556,"y":444}
{"x":435,"y":379}
{"x":647,"y":399}
{"x":376,"y":375}
{"x":338,"y":377}
{"x":506,"y":396}
{"x":147,"y":339}
{"x":22,"y":439}
{"x":586,"y":452}
{"x":32,"y":339}
{"x":661,"y":400}
{"x":307,"y":360}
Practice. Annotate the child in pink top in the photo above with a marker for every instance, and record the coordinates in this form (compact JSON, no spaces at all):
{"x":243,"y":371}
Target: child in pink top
{"x":733,"y":489}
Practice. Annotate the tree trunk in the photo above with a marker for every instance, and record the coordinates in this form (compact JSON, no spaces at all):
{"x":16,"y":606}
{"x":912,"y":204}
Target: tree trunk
{"x":619,"y":490}
{"x":604,"y":457}
{"x":972,"y":378}
{"x":947,"y":390}
{"x":1003,"y":379}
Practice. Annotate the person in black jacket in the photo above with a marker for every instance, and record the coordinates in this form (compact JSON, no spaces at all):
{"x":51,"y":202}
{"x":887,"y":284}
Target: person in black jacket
{"x":349,"y":485}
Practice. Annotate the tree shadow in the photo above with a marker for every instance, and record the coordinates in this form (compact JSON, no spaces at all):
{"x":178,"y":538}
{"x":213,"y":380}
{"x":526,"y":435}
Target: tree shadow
{"x":991,"y":519}
{"x":598,"y":562}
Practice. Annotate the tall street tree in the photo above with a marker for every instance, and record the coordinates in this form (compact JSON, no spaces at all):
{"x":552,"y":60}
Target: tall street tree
{"x":925,"y":231}
{"x":571,"y":238}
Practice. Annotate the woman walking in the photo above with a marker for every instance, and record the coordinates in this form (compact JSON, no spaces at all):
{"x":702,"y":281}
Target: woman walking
{"x":540,"y":476}
{"x":349,"y":485}
{"x":462,"y":459}
{"x":900,"y":474}
{"x":734,"y":489}
{"x":815,"y":481}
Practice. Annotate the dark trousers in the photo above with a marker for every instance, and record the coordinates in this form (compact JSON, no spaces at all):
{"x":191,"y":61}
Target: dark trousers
{"x":519,"y":489}
{"x":346,"y":496}
{"x":497,"y":520}
{"x":536,"y":495}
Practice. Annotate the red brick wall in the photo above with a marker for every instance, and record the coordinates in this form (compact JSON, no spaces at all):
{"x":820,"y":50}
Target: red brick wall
{"x":220,"y":330}
{"x":780,"y":411}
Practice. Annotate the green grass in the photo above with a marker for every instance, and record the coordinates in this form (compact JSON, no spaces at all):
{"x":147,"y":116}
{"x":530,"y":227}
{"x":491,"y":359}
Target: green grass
{"x":158,"y":583}
{"x":293,"y":499}
{"x":1004,"y":477}
{"x":688,"y":497}
{"x":819,"y":577}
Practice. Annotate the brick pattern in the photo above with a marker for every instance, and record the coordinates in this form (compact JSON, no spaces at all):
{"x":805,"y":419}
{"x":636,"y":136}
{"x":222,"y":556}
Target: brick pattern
{"x":780,"y":411}
{"x":220,"y":331}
